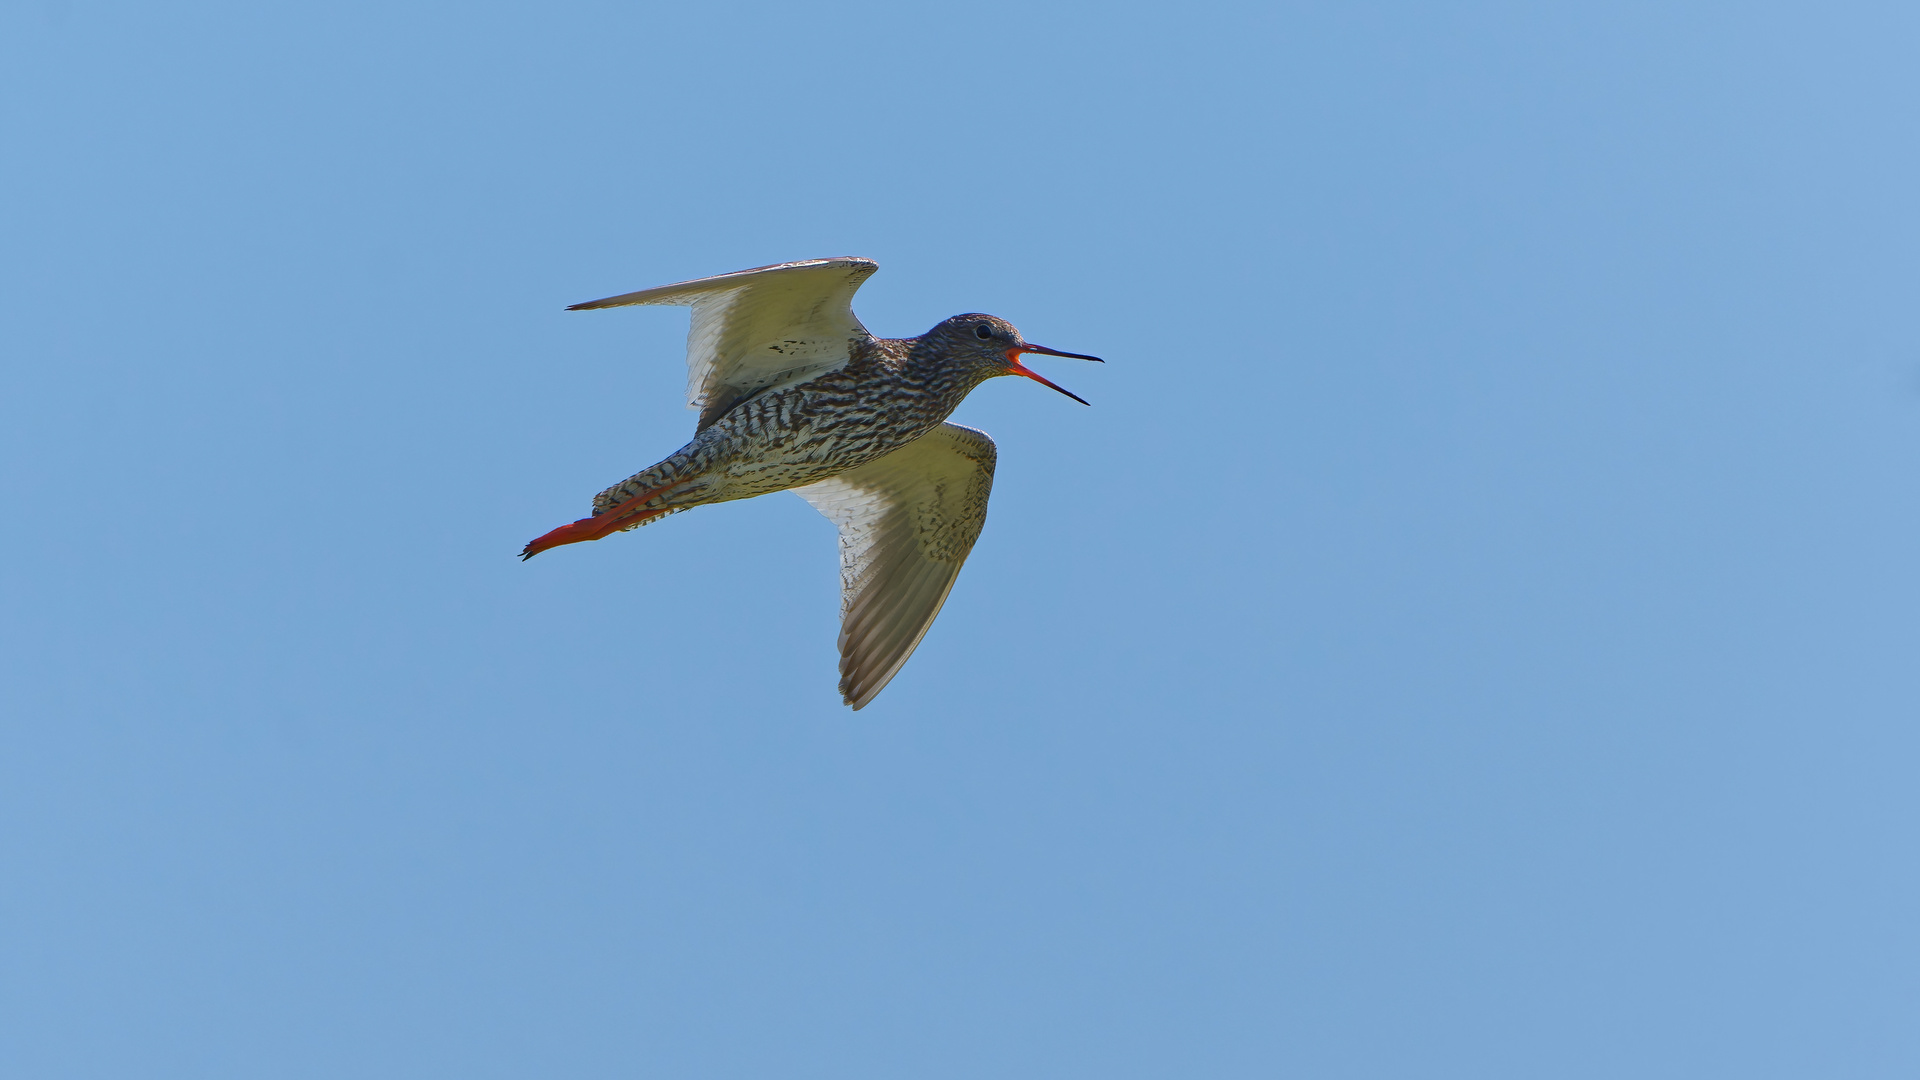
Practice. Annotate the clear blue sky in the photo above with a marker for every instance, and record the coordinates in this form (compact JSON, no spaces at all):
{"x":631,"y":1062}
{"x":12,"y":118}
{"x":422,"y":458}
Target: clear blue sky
{"x":1473,"y":633}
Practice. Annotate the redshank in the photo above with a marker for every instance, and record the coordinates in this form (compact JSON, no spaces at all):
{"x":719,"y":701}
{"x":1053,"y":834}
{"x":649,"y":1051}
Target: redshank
{"x":794,"y":394}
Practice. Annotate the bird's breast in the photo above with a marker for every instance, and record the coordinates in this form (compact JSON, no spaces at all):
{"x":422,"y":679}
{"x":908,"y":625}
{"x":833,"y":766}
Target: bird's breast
{"x":807,"y":433}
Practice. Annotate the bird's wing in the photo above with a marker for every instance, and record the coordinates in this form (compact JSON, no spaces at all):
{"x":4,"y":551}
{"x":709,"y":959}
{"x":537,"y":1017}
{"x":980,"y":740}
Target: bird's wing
{"x":759,"y":328}
{"x":907,"y":522}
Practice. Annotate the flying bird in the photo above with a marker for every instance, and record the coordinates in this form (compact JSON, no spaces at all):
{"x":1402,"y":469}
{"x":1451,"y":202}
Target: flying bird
{"x":795,"y":395}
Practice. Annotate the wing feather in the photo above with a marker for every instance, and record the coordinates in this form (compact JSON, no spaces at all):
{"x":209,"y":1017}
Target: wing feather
{"x":756,"y":329}
{"x":907,"y":522}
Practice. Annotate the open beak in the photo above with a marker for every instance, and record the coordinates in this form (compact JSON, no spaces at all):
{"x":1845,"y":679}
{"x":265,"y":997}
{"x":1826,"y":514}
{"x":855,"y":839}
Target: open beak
{"x":1013,"y":360}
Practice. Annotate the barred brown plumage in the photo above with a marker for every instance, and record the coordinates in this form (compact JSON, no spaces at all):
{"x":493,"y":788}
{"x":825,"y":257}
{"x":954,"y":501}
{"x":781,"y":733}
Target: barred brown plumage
{"x":795,"y":394}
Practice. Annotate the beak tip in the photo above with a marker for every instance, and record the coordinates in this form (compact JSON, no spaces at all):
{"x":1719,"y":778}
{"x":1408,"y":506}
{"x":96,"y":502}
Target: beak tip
{"x":1030,"y":347}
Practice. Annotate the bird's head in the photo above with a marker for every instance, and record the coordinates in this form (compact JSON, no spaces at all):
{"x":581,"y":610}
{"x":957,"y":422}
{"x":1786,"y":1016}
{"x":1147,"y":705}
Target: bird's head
{"x":994,"y":346}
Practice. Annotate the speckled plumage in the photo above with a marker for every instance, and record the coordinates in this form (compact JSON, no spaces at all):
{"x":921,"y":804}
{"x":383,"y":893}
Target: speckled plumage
{"x":892,"y":391}
{"x":796,"y":395}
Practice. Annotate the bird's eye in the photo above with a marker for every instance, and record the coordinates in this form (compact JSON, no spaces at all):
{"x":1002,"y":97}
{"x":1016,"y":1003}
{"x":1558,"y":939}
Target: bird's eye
{"x":983,"y":332}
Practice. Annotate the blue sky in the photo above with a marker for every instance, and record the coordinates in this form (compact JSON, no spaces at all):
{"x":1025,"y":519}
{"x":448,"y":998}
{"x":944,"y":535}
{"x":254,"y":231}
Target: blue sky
{"x":1471,"y":635}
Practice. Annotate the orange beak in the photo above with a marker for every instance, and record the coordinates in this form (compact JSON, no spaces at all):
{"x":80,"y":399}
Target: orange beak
{"x":1013,"y":361}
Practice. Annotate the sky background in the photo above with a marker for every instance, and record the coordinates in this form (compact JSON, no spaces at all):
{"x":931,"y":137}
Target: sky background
{"x":1473,"y":633}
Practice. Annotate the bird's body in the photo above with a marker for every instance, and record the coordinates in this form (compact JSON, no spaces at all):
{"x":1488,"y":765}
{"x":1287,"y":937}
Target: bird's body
{"x":882,"y":400}
{"x":796,"y":395}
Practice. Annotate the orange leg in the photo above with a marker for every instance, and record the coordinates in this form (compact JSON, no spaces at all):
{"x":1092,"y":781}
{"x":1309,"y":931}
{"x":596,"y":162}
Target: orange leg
{"x":630,"y":512}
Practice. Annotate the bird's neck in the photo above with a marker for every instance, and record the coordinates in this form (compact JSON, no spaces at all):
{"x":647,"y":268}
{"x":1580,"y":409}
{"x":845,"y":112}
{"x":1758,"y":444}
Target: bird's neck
{"x":935,"y":372}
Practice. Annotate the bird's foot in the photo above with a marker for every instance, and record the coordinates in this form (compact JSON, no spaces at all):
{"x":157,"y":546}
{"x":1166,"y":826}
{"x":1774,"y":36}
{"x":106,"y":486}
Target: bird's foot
{"x":628,"y":514}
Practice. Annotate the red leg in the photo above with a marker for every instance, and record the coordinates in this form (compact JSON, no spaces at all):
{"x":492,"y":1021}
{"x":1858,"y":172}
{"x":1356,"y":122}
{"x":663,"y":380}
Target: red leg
{"x":630,"y":512}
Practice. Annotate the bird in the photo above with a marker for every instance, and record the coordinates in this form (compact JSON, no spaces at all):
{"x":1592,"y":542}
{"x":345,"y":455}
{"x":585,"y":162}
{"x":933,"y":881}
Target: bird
{"x":794,"y":394}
